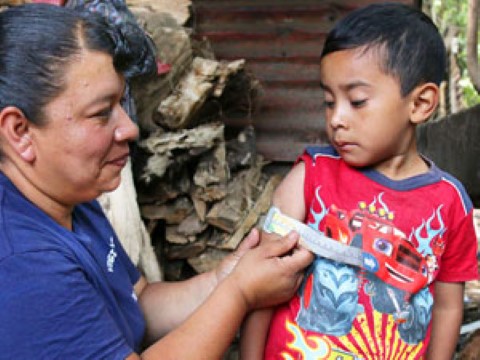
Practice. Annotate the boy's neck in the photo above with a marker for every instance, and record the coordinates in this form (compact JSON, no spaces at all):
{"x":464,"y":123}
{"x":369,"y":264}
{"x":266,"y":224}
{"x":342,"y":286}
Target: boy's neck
{"x":403,"y":167}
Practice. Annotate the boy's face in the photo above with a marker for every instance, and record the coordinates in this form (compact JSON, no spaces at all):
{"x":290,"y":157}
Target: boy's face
{"x":367,"y":119}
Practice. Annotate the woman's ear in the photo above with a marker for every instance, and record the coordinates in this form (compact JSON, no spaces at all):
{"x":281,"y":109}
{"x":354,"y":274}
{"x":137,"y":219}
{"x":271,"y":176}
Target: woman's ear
{"x":15,"y":131}
{"x":424,"y":102}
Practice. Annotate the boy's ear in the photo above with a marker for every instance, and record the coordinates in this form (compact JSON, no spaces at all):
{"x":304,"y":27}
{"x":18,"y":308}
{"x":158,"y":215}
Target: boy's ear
{"x":15,"y":130}
{"x":424,"y":101}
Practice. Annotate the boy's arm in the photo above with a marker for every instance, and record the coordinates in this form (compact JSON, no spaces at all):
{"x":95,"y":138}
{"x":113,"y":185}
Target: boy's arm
{"x":289,"y":198}
{"x":253,"y":336}
{"x":254,"y":331}
{"x":446,"y":320}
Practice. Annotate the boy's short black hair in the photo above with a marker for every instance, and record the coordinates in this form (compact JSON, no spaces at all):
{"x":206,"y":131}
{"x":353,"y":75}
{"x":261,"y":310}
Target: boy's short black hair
{"x":412,"y":48}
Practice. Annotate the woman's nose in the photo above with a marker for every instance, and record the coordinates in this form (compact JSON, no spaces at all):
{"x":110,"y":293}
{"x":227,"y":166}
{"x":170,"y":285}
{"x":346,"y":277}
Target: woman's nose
{"x":126,"y":130}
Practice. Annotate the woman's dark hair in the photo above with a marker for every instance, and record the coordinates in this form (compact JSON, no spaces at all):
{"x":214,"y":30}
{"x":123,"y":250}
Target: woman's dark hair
{"x":409,"y":42}
{"x":39,"y":41}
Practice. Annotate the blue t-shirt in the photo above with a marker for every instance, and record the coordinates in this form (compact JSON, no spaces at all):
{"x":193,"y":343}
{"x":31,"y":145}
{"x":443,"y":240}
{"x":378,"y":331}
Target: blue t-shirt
{"x":65,"y":294}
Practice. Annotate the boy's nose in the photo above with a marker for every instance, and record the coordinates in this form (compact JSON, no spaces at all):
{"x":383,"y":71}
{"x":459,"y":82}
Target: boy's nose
{"x":337,"y":118}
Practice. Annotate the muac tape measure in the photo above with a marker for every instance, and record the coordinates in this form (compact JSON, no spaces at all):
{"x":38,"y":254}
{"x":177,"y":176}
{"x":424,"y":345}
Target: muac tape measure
{"x":315,"y":241}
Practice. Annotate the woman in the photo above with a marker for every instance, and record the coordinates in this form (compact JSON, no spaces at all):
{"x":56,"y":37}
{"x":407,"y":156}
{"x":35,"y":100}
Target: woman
{"x":69,"y":289}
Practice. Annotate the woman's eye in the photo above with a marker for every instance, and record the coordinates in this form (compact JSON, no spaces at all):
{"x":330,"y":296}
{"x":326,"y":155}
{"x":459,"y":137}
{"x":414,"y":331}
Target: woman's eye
{"x":328,"y":104}
{"x":358,"y":103}
{"x":103,"y":113}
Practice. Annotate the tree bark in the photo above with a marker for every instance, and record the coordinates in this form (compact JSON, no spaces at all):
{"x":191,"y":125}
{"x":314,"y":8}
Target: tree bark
{"x":121,"y":208}
{"x":472,"y":41}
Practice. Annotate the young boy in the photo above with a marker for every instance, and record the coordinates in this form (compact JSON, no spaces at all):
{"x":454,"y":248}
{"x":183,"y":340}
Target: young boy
{"x":380,"y":70}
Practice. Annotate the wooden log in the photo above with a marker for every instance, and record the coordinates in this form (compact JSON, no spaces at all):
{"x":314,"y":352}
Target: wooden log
{"x":200,"y":207}
{"x":241,"y":190}
{"x":207,"y":260}
{"x":173,"y":213}
{"x":471,"y":351}
{"x":261,"y":207}
{"x":176,"y":182}
{"x":176,"y":270}
{"x":188,"y":97}
{"x":192,"y":249}
{"x":121,"y":208}
{"x":174,"y":51}
{"x":165,"y":147}
{"x":173,"y":237}
{"x":206,"y":78}
{"x":241,"y":151}
{"x":212,"y":168}
{"x":217,"y":238}
{"x":227,"y":214}
{"x":192,"y":225}
{"x":178,"y":9}
{"x":211,"y":194}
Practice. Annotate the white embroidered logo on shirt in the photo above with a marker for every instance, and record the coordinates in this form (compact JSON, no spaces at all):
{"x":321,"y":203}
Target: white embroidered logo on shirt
{"x":112,"y":254}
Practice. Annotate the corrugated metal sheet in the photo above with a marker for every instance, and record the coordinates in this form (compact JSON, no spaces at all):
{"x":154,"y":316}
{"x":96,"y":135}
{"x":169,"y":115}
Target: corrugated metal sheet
{"x":281,"y":41}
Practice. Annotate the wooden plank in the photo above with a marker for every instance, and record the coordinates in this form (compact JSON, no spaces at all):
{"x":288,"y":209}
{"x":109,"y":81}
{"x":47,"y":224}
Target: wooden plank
{"x":299,"y":99}
{"x":263,"y":28}
{"x":281,"y":121}
{"x":284,"y":48}
{"x":289,"y":74}
{"x":283,"y":135}
{"x":268,"y":23}
{"x":261,"y":206}
{"x":281,"y":148}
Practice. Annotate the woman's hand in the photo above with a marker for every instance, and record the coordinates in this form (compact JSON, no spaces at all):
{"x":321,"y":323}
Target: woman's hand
{"x":269,"y":273}
{"x":231,"y":260}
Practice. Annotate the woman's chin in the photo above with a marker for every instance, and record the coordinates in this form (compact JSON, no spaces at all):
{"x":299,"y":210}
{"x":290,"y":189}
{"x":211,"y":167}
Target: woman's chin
{"x":111,"y":185}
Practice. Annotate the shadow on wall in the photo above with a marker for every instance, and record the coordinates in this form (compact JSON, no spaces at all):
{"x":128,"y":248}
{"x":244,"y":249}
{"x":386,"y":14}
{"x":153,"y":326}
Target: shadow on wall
{"x":453,"y":143}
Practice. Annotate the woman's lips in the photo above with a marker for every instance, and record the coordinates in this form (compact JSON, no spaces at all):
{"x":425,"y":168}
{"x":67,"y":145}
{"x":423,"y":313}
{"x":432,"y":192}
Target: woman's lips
{"x":120,"y":161}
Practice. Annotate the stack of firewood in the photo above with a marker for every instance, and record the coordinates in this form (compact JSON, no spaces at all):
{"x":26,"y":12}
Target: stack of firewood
{"x":200,"y":188}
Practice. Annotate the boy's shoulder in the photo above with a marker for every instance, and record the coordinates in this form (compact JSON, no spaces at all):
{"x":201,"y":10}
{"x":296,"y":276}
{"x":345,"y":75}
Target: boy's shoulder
{"x":456,"y":186}
{"x":436,"y":179}
{"x":320,"y":156}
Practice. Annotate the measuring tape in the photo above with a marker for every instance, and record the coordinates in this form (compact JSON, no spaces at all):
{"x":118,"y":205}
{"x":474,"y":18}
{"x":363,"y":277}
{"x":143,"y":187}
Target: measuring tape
{"x":281,"y":224}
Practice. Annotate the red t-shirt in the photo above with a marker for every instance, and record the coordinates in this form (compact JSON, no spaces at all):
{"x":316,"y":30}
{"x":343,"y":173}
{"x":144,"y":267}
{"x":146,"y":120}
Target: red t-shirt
{"x":412,"y":232}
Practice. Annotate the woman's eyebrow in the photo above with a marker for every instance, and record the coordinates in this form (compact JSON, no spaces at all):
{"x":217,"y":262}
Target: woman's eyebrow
{"x":109,"y":96}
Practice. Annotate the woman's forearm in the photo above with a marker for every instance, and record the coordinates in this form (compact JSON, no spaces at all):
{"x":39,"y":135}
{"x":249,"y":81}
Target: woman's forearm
{"x":167,"y":304}
{"x":208,"y":332}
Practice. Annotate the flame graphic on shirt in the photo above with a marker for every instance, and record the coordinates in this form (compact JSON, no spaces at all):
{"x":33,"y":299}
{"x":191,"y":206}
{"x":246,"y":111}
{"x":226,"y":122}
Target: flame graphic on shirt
{"x":310,"y":347}
{"x":381,"y":343}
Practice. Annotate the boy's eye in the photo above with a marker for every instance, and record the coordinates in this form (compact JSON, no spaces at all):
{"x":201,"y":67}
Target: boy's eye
{"x":358,"y":103}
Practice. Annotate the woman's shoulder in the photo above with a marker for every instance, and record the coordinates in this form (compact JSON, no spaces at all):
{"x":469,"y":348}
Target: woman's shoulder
{"x":24,"y":228}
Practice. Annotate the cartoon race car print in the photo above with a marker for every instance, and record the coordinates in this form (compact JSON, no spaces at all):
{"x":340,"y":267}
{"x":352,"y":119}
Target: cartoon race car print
{"x":386,"y":251}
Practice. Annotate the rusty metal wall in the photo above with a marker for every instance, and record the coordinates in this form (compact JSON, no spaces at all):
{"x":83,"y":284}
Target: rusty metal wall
{"x":281,"y":42}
